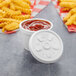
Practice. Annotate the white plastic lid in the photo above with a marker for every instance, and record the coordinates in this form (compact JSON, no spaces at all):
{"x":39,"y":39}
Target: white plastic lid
{"x":46,"y":46}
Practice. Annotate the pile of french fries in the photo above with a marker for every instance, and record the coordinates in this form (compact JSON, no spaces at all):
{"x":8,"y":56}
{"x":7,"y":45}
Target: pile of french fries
{"x":11,"y":13}
{"x":69,"y":5}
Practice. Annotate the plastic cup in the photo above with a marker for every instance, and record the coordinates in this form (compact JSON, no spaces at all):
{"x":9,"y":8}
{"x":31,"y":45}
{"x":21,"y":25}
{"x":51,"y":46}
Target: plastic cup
{"x":28,"y":33}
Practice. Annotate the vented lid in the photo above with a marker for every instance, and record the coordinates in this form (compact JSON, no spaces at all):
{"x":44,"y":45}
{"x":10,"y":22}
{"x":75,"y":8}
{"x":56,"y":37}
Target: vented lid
{"x":46,"y":46}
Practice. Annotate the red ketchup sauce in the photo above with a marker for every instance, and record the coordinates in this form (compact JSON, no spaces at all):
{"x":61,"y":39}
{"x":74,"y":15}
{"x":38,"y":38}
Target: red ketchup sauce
{"x":35,"y":25}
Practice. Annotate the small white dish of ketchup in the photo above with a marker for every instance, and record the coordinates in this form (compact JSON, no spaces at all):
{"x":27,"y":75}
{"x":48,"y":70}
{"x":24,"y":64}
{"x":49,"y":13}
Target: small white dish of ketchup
{"x":30,"y":26}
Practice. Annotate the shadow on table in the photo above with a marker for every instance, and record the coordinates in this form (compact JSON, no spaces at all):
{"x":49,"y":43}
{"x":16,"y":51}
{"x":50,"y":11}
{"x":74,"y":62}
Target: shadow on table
{"x":31,"y":67}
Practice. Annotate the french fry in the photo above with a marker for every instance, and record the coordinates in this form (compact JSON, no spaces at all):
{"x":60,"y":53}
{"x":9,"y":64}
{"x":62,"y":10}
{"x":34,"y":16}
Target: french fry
{"x":74,"y":22}
{"x":66,"y":9}
{"x":9,"y":20}
{"x":21,"y":17}
{"x":1,"y":1}
{"x":67,"y":0}
{"x":27,"y":1}
{"x":3,"y":24}
{"x":12,"y":7}
{"x":71,"y":20}
{"x":4,"y":3}
{"x":68,"y":4}
{"x":10,"y":27}
{"x":72,"y":11}
{"x":27,"y":11}
{"x":11,"y":12}
{"x":22,"y":4}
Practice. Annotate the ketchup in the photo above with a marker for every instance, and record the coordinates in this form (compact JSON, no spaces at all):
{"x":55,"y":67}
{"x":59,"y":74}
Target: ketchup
{"x":35,"y":25}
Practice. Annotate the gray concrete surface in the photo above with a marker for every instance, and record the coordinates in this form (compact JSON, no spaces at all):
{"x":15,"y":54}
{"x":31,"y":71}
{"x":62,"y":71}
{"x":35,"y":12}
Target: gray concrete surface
{"x":15,"y":61}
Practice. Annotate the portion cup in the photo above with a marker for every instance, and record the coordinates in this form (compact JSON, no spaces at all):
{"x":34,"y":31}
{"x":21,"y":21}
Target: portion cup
{"x":28,"y":33}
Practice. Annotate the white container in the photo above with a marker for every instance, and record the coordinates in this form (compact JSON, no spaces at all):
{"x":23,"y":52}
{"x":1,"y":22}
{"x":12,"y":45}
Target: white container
{"x":46,"y":46}
{"x":28,"y":33}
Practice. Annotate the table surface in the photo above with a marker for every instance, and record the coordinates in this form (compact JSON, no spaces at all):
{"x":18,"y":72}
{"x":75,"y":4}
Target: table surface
{"x":16,"y":61}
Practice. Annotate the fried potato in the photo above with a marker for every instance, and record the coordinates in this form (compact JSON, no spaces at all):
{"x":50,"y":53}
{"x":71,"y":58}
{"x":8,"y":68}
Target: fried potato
{"x":27,"y":1}
{"x":10,"y":27}
{"x":22,"y":4}
{"x":74,"y":22}
{"x":11,"y":12}
{"x":21,"y":17}
{"x":71,"y":20}
{"x":5,"y":3}
{"x":66,"y":9}
{"x":67,"y":0}
{"x":12,"y":7}
{"x":68,"y":4}
{"x":27,"y":11}
{"x":3,"y":24}
{"x":72,"y":11}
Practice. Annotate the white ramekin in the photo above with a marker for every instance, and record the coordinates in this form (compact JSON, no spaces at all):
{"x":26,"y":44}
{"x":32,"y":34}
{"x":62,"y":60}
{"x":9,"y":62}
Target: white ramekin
{"x":28,"y":33}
